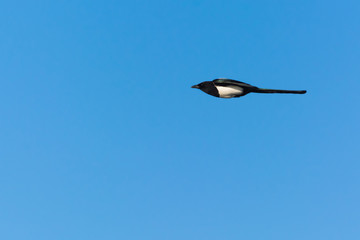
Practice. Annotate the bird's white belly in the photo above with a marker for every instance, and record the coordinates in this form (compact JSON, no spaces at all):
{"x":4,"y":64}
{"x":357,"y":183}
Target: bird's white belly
{"x":229,"y":92}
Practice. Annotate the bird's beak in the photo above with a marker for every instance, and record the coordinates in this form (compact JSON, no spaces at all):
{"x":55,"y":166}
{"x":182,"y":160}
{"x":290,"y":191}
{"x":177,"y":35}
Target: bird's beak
{"x":195,"y":86}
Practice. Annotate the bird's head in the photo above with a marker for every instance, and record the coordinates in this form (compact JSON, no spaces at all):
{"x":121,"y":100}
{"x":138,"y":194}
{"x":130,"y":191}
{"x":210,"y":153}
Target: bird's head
{"x":203,"y":85}
{"x":208,"y":87}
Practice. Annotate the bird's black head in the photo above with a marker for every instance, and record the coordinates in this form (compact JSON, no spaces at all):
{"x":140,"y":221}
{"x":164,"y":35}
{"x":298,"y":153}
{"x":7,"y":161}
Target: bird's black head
{"x":203,"y":85}
{"x":208,"y":87}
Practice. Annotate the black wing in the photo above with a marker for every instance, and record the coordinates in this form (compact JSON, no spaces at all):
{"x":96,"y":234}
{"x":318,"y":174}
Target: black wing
{"x":230,"y":82}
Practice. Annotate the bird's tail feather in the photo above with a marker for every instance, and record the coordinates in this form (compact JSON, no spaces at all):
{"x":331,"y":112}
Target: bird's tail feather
{"x":264,"y":90}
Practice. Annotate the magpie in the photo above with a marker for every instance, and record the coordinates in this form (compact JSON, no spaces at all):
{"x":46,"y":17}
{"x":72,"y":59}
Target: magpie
{"x":229,"y":88}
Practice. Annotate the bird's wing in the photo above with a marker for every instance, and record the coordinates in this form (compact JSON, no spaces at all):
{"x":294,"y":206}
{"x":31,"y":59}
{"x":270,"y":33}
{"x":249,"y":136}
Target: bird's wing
{"x":230,"y":82}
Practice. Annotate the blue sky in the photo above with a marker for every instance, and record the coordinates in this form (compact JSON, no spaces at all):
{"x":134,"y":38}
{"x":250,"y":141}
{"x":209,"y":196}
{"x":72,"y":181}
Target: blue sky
{"x":103,"y":138}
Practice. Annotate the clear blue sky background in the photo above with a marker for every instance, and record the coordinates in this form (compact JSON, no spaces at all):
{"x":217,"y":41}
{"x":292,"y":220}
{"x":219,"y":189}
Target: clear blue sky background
{"x":102,"y":137}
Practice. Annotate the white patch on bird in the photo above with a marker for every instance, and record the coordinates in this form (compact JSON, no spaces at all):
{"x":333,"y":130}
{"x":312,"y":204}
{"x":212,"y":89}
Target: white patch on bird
{"x":229,"y":92}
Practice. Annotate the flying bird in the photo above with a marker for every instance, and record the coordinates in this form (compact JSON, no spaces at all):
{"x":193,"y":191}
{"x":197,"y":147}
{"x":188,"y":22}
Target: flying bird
{"x":228,"y":88}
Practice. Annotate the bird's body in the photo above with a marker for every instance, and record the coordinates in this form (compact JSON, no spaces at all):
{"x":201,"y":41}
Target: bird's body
{"x":228,"y":88}
{"x":229,"y":92}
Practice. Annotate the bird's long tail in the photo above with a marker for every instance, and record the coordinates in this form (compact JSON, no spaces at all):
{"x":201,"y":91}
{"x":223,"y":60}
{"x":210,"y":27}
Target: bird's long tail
{"x":264,"y":90}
